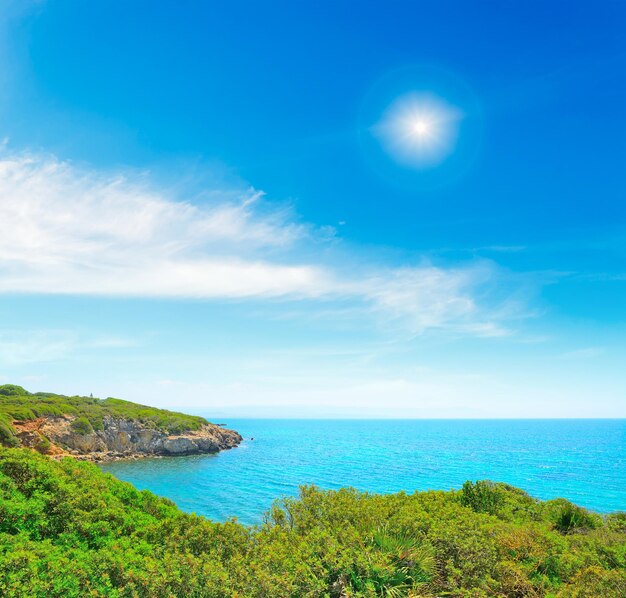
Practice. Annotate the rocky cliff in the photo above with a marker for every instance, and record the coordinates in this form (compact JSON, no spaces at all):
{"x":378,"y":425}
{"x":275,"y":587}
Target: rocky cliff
{"x":120,"y":438}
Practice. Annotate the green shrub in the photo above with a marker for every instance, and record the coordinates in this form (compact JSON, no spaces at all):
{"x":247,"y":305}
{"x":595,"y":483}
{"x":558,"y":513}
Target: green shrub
{"x":617,"y":521}
{"x":22,"y":413}
{"x":43,"y":445}
{"x":409,"y":564}
{"x":81,"y":425}
{"x":7,"y":434}
{"x":596,"y":582}
{"x":568,"y":517}
{"x":67,"y":529}
{"x":12,"y":390}
{"x":483,"y":496}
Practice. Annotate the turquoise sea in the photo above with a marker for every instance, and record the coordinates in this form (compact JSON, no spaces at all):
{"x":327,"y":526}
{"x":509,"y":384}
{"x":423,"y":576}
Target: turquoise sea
{"x":582,"y":460}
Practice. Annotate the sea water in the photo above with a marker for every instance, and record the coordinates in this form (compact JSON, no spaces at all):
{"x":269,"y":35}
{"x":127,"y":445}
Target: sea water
{"x":581,"y":460}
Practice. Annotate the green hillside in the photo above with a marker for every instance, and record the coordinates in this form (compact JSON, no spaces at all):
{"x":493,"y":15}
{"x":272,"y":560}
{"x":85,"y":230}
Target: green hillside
{"x":19,"y":404}
{"x":67,"y":529}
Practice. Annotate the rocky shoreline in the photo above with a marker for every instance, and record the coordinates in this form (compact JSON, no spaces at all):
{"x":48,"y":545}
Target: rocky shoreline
{"x":120,"y":439}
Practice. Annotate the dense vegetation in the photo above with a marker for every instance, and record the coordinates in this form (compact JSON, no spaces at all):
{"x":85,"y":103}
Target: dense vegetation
{"x":21,"y":405}
{"x":67,"y":529}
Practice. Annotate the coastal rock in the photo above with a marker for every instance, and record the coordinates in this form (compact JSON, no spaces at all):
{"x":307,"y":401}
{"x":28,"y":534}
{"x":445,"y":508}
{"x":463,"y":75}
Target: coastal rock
{"x":123,"y":438}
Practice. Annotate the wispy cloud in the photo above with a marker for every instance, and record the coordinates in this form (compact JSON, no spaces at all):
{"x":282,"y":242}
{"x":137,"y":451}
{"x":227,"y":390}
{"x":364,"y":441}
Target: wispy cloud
{"x":76,"y":231}
{"x":22,"y":347}
{"x":71,"y":231}
{"x":582,"y":354}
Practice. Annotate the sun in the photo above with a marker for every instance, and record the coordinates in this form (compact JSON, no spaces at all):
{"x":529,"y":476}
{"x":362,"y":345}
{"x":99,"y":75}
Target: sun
{"x":420,"y":127}
{"x":419,"y":130}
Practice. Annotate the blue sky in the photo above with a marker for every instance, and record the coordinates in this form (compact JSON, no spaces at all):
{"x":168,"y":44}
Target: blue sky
{"x":320,"y":209}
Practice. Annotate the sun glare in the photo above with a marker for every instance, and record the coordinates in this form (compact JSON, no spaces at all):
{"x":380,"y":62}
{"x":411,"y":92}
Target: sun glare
{"x":419,"y":130}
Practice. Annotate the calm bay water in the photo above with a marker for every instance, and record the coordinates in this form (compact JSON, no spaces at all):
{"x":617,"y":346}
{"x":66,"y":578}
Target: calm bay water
{"x":582,"y":460}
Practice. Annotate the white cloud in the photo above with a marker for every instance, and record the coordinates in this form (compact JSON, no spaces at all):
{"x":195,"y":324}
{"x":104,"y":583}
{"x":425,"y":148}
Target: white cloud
{"x":24,"y":347}
{"x":71,"y":230}
{"x":392,"y":393}
{"x":21,"y":347}
{"x":585,"y":353}
{"x":426,"y":297}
